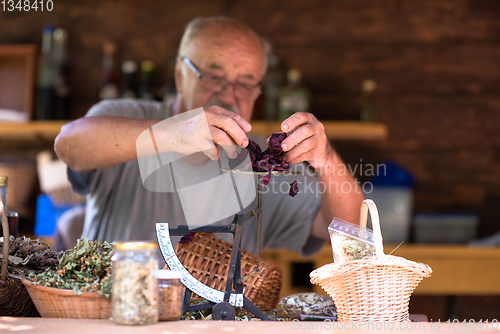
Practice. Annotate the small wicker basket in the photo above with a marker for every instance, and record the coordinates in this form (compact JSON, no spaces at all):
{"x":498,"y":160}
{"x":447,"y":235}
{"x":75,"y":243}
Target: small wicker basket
{"x":373,"y":289}
{"x":63,"y":303}
{"x":207,"y":258}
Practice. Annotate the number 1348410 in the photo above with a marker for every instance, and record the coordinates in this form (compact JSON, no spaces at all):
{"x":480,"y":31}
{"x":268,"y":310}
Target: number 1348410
{"x":27,"y":5}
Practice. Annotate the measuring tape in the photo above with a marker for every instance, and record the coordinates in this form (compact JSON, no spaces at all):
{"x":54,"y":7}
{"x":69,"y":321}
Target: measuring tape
{"x":189,"y":281}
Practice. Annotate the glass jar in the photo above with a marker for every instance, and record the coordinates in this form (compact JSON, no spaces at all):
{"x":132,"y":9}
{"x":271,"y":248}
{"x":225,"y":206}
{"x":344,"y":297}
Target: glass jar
{"x":134,"y":299}
{"x":171,"y":294}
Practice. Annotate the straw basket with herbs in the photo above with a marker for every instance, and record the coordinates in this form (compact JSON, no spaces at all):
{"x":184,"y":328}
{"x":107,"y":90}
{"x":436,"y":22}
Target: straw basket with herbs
{"x":79,"y":288}
{"x":376,"y":288}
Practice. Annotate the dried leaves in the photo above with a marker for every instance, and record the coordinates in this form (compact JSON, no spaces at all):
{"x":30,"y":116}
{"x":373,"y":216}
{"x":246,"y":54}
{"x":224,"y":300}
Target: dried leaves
{"x":348,"y":249}
{"x":26,"y":255}
{"x":269,"y":160}
{"x":84,"y":268}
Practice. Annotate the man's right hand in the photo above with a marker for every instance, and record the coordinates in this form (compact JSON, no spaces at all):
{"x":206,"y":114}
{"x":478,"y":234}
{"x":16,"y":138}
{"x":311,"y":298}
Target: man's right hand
{"x":194,"y":131}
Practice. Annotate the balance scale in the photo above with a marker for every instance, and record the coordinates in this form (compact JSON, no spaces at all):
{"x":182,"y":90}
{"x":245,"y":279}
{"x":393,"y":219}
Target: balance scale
{"x":221,"y":302}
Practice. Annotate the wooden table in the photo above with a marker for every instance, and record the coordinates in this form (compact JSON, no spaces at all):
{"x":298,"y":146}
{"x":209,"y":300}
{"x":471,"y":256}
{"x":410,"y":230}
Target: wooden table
{"x":74,"y":326}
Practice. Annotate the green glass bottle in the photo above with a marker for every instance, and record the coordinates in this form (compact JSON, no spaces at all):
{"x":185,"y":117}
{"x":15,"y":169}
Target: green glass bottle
{"x":294,"y":97}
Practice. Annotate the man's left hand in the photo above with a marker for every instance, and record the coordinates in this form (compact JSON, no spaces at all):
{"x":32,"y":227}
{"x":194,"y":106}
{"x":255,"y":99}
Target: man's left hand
{"x":306,"y":140}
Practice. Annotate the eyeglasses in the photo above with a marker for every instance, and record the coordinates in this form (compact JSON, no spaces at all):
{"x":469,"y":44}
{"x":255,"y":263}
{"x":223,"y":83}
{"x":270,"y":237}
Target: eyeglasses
{"x":218,"y":84}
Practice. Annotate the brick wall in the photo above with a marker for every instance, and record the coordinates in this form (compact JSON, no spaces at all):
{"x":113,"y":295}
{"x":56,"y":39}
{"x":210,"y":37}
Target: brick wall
{"x":435,"y":63}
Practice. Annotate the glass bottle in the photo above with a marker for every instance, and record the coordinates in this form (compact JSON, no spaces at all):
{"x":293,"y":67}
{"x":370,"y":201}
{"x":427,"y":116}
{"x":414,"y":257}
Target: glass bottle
{"x":134,"y":298}
{"x":61,"y":84}
{"x":12,"y":216}
{"x":272,"y":89}
{"x":108,"y":86}
{"x":169,"y":89}
{"x":145,"y":90}
{"x":368,"y":109}
{"x":171,"y":294}
{"x":45,"y":86}
{"x":294,"y":97}
{"x":129,"y":68}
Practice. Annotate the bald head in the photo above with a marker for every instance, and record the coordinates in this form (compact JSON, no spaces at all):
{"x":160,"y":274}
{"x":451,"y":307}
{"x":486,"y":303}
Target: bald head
{"x":218,"y":29}
{"x":223,"y":51}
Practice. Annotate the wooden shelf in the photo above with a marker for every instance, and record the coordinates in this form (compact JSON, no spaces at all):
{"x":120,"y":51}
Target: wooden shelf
{"x":45,"y":131}
{"x":456,"y":269}
{"x":48,"y":130}
{"x":334,"y":129}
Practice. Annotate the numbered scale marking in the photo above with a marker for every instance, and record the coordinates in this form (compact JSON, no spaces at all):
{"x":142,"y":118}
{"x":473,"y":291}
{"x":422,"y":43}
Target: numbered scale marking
{"x":189,"y":281}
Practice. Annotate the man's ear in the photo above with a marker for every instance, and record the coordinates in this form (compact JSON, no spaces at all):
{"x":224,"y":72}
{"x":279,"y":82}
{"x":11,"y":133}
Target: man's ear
{"x":178,"y":75}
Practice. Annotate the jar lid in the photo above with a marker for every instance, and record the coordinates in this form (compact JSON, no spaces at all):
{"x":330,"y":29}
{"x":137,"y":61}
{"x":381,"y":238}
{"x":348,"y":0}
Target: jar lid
{"x":3,"y":180}
{"x":131,"y":245}
{"x":168,"y":274}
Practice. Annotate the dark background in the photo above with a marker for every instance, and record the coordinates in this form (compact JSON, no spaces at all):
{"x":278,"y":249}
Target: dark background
{"x":436,"y":64}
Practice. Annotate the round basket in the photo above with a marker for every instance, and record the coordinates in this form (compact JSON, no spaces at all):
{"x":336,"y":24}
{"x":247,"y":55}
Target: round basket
{"x":207,"y":258}
{"x":63,"y":303}
{"x":373,"y":289}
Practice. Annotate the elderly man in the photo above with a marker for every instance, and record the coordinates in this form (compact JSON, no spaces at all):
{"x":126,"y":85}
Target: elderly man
{"x":220,"y":65}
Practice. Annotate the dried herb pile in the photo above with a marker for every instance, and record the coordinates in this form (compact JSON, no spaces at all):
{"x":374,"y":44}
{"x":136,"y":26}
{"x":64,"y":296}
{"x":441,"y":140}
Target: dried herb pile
{"x":84,"y":268}
{"x":27,"y":256}
{"x":241,"y":313}
{"x":269,"y":160}
{"x":346,"y":248}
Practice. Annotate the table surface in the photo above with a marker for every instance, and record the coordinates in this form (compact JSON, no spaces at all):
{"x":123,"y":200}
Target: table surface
{"x":77,"y":326}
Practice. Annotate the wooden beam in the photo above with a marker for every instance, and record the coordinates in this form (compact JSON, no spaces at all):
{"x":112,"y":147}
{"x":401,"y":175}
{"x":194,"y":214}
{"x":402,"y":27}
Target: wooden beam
{"x":334,"y":129}
{"x":47,"y":130}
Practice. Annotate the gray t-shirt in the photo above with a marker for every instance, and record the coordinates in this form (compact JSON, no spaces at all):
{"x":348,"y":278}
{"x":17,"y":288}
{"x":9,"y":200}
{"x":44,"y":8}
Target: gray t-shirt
{"x":119,"y":207}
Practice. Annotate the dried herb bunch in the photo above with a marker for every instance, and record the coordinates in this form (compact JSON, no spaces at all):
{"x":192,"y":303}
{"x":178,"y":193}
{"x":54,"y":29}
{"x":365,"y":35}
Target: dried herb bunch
{"x":84,"y":268}
{"x":27,"y":256}
{"x":347,"y":249}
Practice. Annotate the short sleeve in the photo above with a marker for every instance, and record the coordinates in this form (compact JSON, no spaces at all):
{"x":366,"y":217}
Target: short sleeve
{"x":80,"y":182}
{"x":129,"y":108}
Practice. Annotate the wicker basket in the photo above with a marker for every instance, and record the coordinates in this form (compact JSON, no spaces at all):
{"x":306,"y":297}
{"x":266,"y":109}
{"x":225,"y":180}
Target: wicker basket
{"x":14,"y":298}
{"x":63,"y":303}
{"x":207,"y":258}
{"x":373,"y":289}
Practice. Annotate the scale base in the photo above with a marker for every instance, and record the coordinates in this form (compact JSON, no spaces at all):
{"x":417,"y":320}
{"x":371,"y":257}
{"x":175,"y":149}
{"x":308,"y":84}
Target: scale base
{"x":223,"y":311}
{"x":218,"y":309}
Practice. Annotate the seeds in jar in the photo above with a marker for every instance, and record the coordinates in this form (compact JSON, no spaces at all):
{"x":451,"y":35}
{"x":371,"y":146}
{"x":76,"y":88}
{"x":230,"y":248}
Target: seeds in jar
{"x":171,"y":301}
{"x":135,"y":293}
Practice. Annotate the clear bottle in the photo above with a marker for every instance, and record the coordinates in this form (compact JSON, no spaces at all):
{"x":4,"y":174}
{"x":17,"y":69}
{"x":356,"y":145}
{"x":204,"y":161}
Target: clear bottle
{"x":12,"y":216}
{"x":134,"y":298}
{"x":294,"y":97}
{"x":171,"y":294}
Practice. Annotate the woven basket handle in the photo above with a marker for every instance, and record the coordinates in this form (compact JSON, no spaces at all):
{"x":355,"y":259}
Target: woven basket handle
{"x":369,"y":205}
{"x":6,"y":241}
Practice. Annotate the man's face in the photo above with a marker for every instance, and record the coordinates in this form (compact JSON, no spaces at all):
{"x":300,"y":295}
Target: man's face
{"x":235,"y":57}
